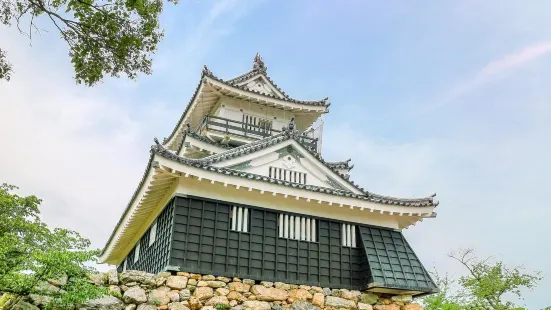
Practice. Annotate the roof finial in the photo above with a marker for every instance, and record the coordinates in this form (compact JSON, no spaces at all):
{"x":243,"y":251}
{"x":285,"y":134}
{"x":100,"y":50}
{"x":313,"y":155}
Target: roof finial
{"x":206,"y":70}
{"x":258,"y":63}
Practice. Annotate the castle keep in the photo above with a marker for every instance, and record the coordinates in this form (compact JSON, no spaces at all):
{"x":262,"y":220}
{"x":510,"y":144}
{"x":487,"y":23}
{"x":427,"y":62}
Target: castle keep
{"x":240,"y":189}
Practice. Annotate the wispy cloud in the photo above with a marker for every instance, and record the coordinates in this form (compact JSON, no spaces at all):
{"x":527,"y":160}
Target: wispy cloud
{"x":494,"y":70}
{"x":507,"y":63}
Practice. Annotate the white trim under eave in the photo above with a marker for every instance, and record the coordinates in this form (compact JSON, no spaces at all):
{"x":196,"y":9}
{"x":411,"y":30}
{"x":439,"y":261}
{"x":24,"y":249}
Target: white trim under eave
{"x":266,"y":187}
{"x":263,"y":98}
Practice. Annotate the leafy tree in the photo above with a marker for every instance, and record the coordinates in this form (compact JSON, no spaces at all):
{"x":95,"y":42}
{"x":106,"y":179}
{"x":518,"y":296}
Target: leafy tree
{"x":104,"y":37}
{"x":32,"y":254}
{"x":488,"y":285}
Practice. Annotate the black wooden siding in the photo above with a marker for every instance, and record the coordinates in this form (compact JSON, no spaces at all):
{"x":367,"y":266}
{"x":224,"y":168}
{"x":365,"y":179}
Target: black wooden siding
{"x":154,"y":258}
{"x":204,"y":243}
{"x":194,"y":235}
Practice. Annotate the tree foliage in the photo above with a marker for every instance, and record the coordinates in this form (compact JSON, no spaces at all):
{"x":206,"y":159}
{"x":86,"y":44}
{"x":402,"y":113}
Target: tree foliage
{"x":488,"y":285}
{"x":32,"y":254}
{"x":104,"y":37}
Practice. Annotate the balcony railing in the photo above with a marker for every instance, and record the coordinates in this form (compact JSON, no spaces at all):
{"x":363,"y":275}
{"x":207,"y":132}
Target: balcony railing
{"x":246,"y":130}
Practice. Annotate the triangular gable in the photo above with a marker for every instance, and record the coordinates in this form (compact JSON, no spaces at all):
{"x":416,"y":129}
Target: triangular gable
{"x":263,"y":85}
{"x":289,"y":161}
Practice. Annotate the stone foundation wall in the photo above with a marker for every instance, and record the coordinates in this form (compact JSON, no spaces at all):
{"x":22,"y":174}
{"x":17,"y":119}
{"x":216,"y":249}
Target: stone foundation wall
{"x":138,"y":290}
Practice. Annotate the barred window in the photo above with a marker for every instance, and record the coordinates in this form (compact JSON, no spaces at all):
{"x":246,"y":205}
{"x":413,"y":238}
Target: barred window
{"x":153,"y":233}
{"x":348,"y":235}
{"x":239,"y":219}
{"x":287,"y":175}
{"x":137,"y":252}
{"x":297,"y":227}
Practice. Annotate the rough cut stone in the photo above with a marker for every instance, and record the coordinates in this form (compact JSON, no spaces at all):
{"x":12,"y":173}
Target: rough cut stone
{"x":134,"y":295}
{"x":184,"y":295}
{"x":159,"y":296}
{"x":137,"y":276}
{"x":21,"y":305}
{"x":370,"y":299}
{"x":195,"y":304}
{"x":303,"y":305}
{"x":202,"y":283}
{"x":209,"y":277}
{"x":146,"y":307}
{"x":113,"y":277}
{"x":256,"y":305}
{"x":239,"y":287}
{"x":223,"y":279}
{"x":300,"y":294}
{"x":269,"y":293}
{"x":176,"y":282}
{"x":362,"y":306}
{"x":218,"y":300}
{"x":326,"y":291}
{"x":222,"y":291}
{"x":216,"y":284}
{"x":318,"y":300}
{"x":130,"y":307}
{"x":104,"y":303}
{"x":113,"y":289}
{"x":174,"y":296}
{"x":177,"y":306}
{"x":248,"y":281}
{"x":337,"y":302}
{"x":412,"y":307}
{"x":233,"y":295}
{"x":203,"y":293}
{"x":267,"y":284}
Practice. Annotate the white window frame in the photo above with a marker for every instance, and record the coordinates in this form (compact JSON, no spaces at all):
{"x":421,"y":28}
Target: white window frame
{"x":153,"y":233}
{"x":124,"y":264}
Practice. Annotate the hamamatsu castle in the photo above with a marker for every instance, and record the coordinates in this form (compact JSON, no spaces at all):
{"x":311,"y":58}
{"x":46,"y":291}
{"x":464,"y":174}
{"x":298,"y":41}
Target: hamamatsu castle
{"x":240,"y":189}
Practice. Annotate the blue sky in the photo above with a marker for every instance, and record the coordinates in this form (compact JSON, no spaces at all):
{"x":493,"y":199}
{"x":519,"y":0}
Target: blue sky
{"x":427,"y":96}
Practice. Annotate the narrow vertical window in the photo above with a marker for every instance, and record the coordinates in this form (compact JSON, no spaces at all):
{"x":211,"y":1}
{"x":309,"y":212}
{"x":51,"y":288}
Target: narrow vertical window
{"x":308,"y":238}
{"x":239,"y":218}
{"x":153,"y":233}
{"x":137,"y":252}
{"x":124,"y":264}
{"x":245,"y":219}
{"x":291,"y":227}
{"x":297,"y":227}
{"x":286,"y":227}
{"x":348,"y":235}
{"x":313,"y":231}
{"x":281,"y":220}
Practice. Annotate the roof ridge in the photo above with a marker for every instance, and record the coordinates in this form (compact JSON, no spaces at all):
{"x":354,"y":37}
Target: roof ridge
{"x":320,"y":102}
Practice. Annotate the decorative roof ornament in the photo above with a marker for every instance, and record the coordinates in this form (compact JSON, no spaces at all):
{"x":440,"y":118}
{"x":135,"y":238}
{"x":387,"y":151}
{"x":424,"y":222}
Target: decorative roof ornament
{"x":206,"y":70}
{"x":258,"y":64}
